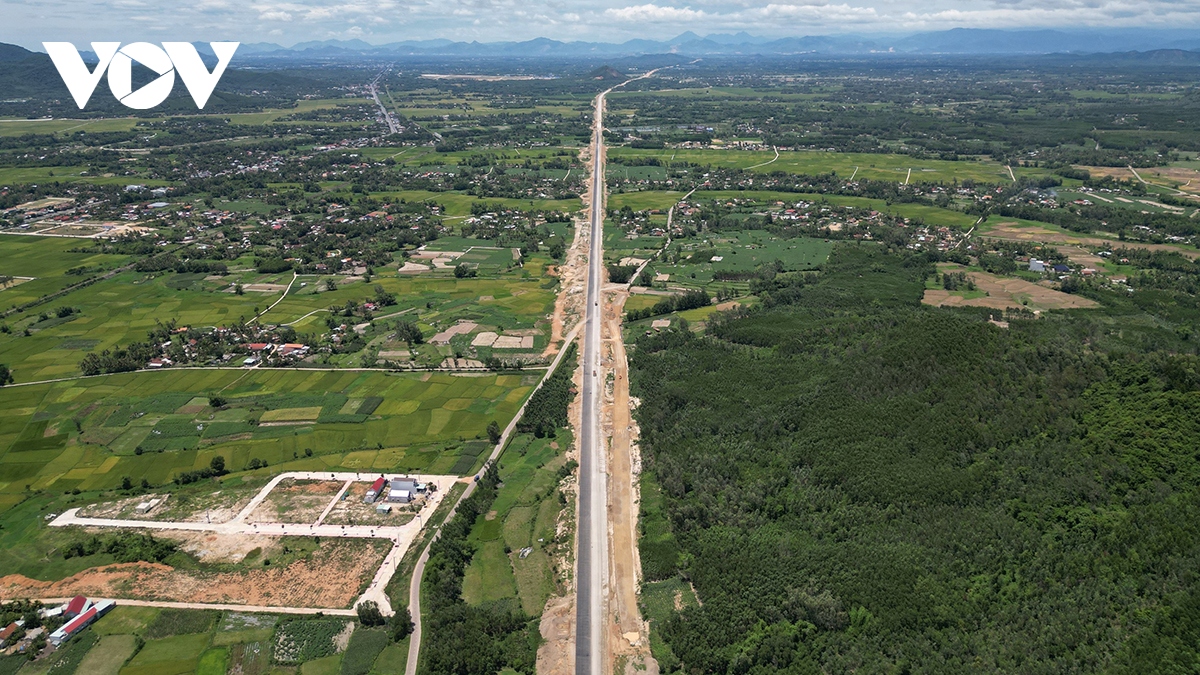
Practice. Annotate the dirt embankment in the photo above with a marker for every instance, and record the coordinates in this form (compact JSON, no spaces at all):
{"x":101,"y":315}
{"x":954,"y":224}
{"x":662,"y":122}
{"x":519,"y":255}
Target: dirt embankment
{"x":629,"y":636}
{"x":329,"y":578}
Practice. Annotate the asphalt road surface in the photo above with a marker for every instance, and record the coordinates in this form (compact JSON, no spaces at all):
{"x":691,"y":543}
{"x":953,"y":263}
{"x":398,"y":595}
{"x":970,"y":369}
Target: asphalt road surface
{"x":591,"y":557}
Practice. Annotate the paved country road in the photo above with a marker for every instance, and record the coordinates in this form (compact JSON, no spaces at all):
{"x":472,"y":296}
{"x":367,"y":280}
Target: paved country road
{"x":591,"y":555}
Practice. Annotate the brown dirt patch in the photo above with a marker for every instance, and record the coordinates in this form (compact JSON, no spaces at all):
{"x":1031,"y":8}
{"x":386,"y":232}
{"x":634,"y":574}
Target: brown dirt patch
{"x":330,"y":578}
{"x":295,"y":501}
{"x":1006,"y":292}
{"x":556,"y":656}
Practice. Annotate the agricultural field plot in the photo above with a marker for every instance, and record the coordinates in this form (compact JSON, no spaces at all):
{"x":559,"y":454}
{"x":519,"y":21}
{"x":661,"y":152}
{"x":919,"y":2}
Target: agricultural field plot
{"x":459,"y":205}
{"x":894,"y":168}
{"x":150,"y":641}
{"x":1016,"y":229}
{"x":46,"y":262}
{"x":519,"y":536}
{"x":1003,"y":293}
{"x":418,"y":418}
{"x":702,"y":263}
{"x":20,"y":127}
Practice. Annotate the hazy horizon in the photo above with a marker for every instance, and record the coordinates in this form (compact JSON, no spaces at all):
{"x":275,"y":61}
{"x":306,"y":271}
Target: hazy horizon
{"x":386,"y":21}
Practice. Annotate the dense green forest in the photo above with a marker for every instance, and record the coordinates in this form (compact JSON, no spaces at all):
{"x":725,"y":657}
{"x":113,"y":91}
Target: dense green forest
{"x":853,"y":481}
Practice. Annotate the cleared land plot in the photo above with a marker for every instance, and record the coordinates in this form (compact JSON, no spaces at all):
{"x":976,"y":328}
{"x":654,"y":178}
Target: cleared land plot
{"x":295,"y":501}
{"x":739,"y":252}
{"x":107,"y":657}
{"x":303,"y":583}
{"x":46,"y":260}
{"x":1004,"y":292}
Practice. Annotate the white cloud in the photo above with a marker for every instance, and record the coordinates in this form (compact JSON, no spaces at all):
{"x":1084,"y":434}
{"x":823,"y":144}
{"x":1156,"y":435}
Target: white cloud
{"x":650,"y":13}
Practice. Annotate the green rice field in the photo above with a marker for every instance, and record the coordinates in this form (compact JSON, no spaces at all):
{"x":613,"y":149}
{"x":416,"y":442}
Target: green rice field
{"x":88,"y":435}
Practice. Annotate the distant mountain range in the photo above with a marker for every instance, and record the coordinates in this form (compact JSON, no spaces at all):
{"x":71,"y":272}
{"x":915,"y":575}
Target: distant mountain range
{"x":1166,"y":46}
{"x":955,"y":41}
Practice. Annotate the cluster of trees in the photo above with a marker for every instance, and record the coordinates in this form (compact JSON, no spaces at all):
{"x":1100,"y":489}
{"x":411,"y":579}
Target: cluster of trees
{"x":215,"y":468}
{"x":408,"y":331}
{"x":673,"y":303}
{"x":546,"y":410}
{"x":272,"y":265}
{"x":620,"y":274}
{"x":168,"y":261}
{"x":124,"y":548}
{"x":953,"y":281}
{"x":119,"y":359}
{"x":6,"y":375}
{"x":853,"y":481}
{"x":462,"y":639}
{"x":1108,"y":218}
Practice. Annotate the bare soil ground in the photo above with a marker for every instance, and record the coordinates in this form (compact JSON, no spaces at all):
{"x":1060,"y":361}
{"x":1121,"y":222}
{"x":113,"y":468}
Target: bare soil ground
{"x":556,"y":656}
{"x":353,"y":511}
{"x":295,"y":501}
{"x":629,"y":636}
{"x":218,"y":506}
{"x":1005,"y":292}
{"x":330,"y":578}
{"x":1012,"y":231}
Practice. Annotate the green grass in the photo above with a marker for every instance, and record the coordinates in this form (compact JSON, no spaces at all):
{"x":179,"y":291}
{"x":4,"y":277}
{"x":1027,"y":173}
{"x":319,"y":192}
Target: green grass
{"x":740,"y":251}
{"x":329,"y":665}
{"x":180,"y":622}
{"x":126,"y":619}
{"x":169,"y":656}
{"x":47,"y":259}
{"x":365,"y":647}
{"x":393,"y":659}
{"x":107,"y":657}
{"x":20,"y":127}
{"x":213,"y":662}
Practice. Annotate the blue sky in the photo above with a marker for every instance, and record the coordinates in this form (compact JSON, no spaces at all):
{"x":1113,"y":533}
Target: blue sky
{"x":29,"y":22}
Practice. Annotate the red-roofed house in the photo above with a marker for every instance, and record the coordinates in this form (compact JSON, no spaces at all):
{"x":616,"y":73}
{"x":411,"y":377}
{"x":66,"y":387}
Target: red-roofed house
{"x":375,"y":490}
{"x":76,"y":606}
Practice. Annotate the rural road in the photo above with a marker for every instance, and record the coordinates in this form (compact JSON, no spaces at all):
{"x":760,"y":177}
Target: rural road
{"x":592,"y":536}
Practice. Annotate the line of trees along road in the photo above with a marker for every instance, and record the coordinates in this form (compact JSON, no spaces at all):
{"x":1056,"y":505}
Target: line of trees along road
{"x":855,"y":482}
